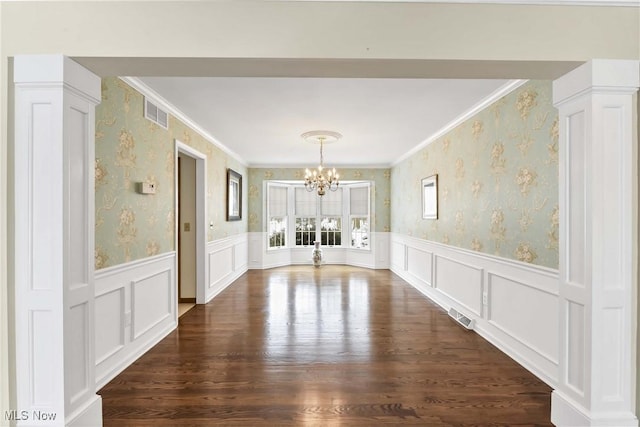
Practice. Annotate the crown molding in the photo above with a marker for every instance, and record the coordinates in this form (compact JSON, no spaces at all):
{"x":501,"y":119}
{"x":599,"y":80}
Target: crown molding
{"x":505,"y":89}
{"x":603,"y":3}
{"x":606,"y":3}
{"x":145,"y":90}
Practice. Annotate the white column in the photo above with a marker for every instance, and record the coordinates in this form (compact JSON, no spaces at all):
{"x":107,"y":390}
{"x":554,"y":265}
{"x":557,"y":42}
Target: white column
{"x":55,"y":101}
{"x":598,"y":163}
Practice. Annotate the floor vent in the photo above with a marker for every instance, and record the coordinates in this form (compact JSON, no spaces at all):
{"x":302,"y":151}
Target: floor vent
{"x":156,"y":114}
{"x":461,"y":318}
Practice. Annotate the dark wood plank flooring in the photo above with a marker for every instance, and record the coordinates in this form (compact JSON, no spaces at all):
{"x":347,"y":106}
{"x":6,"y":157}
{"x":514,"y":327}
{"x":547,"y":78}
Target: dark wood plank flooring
{"x":335,"y":346}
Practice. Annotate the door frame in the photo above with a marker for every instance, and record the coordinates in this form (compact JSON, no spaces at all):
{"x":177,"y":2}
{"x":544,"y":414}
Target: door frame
{"x":201,"y":215}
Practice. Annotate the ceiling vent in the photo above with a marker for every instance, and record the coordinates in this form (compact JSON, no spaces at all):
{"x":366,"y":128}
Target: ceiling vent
{"x":156,"y":114}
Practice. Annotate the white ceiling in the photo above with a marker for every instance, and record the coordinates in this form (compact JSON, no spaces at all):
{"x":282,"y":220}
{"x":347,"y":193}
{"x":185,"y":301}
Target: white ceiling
{"x":381,"y":120}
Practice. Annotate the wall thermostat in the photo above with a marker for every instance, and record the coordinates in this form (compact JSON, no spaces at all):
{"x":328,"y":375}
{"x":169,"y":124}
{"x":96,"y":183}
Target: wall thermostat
{"x":146,"y":188}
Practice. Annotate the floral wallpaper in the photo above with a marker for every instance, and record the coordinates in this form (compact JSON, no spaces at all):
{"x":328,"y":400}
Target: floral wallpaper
{"x":131,"y":149}
{"x":381,"y":197}
{"x":497,"y":179}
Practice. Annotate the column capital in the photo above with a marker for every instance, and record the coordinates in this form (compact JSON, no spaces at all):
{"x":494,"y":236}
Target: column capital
{"x":604,"y":75}
{"x":39,"y":70}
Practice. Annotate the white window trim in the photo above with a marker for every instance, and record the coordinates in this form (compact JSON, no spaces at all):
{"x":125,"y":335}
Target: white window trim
{"x":369,"y":215}
{"x":290,"y":236}
{"x":268,"y":215}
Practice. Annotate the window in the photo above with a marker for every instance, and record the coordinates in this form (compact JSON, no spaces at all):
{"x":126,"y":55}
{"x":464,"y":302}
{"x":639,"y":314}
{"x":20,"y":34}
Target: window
{"x":277,"y":215}
{"x":359,"y":232}
{"x":331,"y":231}
{"x":359,"y":216}
{"x":305,"y":231}
{"x":331,"y":218}
{"x":337,"y":219}
{"x":305,"y":213}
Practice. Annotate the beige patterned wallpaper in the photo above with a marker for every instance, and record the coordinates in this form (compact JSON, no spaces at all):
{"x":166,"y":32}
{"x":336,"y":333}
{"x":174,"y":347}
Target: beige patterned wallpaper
{"x":381,"y":197}
{"x":498,"y":181}
{"x":132,"y":149}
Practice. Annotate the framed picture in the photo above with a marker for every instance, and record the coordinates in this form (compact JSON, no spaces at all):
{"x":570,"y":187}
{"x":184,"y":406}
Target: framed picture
{"x":234,"y":195}
{"x":430,"y":197}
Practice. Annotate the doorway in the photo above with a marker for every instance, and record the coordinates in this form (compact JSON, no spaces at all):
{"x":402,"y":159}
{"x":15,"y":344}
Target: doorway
{"x":190,"y":190}
{"x":187,"y":229}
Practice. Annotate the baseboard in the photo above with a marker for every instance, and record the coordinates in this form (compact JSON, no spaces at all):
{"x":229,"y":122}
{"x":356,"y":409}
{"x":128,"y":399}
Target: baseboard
{"x":490,"y":285}
{"x":187,"y":300}
{"x":126,"y":362}
{"x":89,"y":415}
{"x":226,"y":282}
{"x":566,"y":412}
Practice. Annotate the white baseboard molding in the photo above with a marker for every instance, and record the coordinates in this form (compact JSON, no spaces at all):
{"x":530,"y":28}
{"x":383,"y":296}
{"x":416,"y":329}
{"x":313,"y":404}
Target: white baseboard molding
{"x":136,"y":307}
{"x":136,"y":302}
{"x":513,"y":305}
{"x":566,"y":412}
{"x":125,"y":361}
{"x":90,"y":415}
{"x":227,"y":260}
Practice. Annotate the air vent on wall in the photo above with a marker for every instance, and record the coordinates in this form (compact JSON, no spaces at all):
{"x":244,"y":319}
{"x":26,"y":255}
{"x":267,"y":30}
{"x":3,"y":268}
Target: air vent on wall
{"x":461,"y":318}
{"x":156,"y":114}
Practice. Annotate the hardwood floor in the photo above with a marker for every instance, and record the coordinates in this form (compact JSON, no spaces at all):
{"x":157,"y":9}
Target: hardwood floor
{"x":335,"y":346}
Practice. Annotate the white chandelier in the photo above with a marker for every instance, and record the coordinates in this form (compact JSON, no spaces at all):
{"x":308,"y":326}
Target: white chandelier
{"x":319,"y":179}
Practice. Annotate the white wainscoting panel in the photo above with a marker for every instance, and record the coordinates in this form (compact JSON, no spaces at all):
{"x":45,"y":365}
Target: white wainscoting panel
{"x":135,"y":308}
{"x":227,"y":259}
{"x":220,"y":265}
{"x":514,"y":305}
{"x":151,"y":302}
{"x":420,"y":265}
{"x":461,"y":282}
{"x":381,"y":254}
{"x":110,"y":323}
{"x":398,"y":256}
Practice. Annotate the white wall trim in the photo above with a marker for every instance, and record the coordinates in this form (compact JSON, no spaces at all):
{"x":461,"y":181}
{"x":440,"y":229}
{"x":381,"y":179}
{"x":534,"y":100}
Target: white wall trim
{"x":478,"y":270}
{"x":606,"y":3}
{"x":53,"y":226}
{"x":598,"y":195}
{"x":506,"y":330}
{"x":532,"y":268}
{"x":505,"y":89}
{"x":146,"y":282}
{"x":125,"y":362}
{"x":567,"y":412}
{"x":145,"y":90}
{"x":103,"y":273}
{"x":227,"y":260}
{"x":260,"y":258}
{"x":135,"y":333}
{"x":87,"y":414}
{"x":201,"y":214}
{"x":488,"y":290}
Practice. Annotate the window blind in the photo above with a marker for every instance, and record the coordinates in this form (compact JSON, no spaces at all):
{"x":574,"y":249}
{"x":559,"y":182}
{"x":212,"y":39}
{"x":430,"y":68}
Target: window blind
{"x":331,"y":203}
{"x":305,"y":204}
{"x":359,"y":204}
{"x":277,"y":201}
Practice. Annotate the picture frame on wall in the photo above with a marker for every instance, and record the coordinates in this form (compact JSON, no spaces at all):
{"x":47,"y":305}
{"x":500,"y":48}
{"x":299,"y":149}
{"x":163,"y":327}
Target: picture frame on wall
{"x":234,"y":195}
{"x":430,"y":197}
